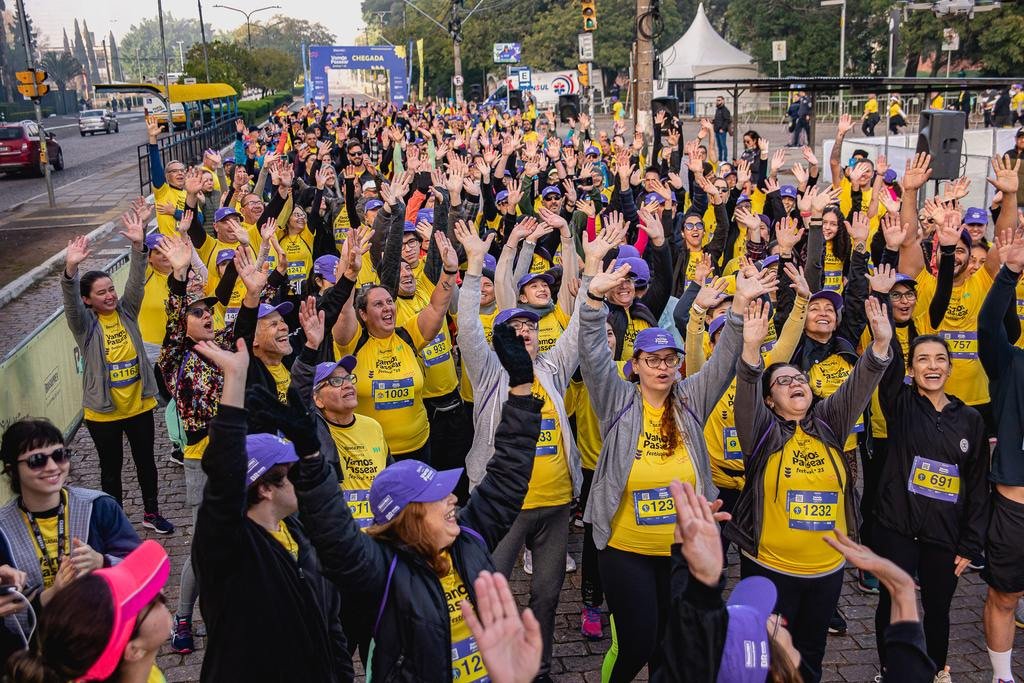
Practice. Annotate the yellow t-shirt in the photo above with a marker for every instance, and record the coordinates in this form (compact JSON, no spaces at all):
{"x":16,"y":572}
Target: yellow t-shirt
{"x":153,"y":313}
{"x":300,"y":259}
{"x":168,"y":225}
{"x":156,"y":676}
{"x":390,"y":386}
{"x":723,"y":444}
{"x":803,"y":501}
{"x":284,"y":537}
{"x":846,"y":204}
{"x":826,"y":378}
{"x":48,"y":529}
{"x":879,"y":429}
{"x":588,"y":426}
{"x":871,"y":107}
{"x":618,"y":111}
{"x":440,"y":376}
{"x":195,"y":451}
{"x":550,"y":482}
{"x":894,"y":109}
{"x":342,"y":225}
{"x":122,"y":372}
{"x":283,"y":380}
{"x":939,"y":102}
{"x":634,"y":326}
{"x":645,"y":520}
{"x":465,"y":388}
{"x":363,"y":454}
{"x":467,"y":664}
{"x":691,"y":265}
{"x":960,"y":330}
{"x":550,"y":328}
{"x":832,"y":270}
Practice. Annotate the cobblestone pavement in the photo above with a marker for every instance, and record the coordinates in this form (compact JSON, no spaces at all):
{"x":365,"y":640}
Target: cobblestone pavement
{"x":849,"y":658}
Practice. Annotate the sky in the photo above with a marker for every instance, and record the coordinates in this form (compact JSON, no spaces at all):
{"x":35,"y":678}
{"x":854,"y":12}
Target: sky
{"x":51,"y":16}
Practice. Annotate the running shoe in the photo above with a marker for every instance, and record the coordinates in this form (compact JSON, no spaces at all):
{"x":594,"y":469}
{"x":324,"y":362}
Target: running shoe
{"x":154,"y":522}
{"x":528,"y":561}
{"x":1018,"y":614}
{"x":590,"y":623}
{"x":943,"y":676}
{"x":177,"y":457}
{"x":181,"y":635}
{"x":570,"y":564}
{"x":867,"y":582}
{"x":837,"y":624}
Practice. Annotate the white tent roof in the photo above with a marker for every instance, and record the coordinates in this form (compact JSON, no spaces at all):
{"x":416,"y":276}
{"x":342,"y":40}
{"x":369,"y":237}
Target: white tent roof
{"x":698,"y":48}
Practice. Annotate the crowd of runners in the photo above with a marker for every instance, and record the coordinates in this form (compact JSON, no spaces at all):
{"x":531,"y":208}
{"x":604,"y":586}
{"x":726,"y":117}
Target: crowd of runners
{"x":401,"y":350}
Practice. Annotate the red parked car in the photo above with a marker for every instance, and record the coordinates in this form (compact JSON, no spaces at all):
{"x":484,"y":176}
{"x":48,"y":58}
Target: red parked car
{"x":19,"y":148}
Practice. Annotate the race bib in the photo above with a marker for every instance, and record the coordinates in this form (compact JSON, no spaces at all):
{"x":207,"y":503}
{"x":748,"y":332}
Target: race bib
{"x":812,"y":510}
{"x":467,"y":664}
{"x":230,"y":314}
{"x":833,"y":280}
{"x":1020,"y":308}
{"x":296,"y":270}
{"x":731,"y":444}
{"x":358,"y":501}
{"x":124,"y":373}
{"x":547,"y":442}
{"x":340,"y":234}
{"x":390,"y":394}
{"x":962,"y":345}
{"x":437,"y":351}
{"x":935,"y":480}
{"x":652,"y":507}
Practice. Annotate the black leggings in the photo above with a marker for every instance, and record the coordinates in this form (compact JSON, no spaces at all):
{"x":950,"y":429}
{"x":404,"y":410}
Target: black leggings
{"x":107,"y":436}
{"x":934,"y":569}
{"x":590,"y":581}
{"x":638,"y":593}
{"x":807,"y":604}
{"x":872,"y":459}
{"x":728,"y":498}
{"x":451,"y":435}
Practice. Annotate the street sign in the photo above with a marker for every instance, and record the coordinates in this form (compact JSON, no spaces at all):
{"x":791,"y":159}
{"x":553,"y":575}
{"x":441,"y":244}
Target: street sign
{"x":778,"y":50}
{"x":190,"y":80}
{"x":525,"y":77}
{"x":586,"y":46}
{"x":507,"y":53}
{"x":458,"y":79}
{"x":950,"y":40}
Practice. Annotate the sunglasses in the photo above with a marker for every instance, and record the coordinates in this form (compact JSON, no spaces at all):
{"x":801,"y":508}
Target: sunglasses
{"x":37,"y":461}
{"x":199,"y":311}
{"x":694,"y":226}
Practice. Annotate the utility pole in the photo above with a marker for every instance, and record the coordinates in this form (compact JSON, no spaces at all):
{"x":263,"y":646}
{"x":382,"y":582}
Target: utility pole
{"x":163,"y":55}
{"x":455,"y":31}
{"x":30,"y":58}
{"x":202,"y":32}
{"x":644,"y":77}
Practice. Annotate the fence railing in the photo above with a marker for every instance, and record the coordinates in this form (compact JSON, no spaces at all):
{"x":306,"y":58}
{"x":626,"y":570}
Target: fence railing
{"x":186,"y":146}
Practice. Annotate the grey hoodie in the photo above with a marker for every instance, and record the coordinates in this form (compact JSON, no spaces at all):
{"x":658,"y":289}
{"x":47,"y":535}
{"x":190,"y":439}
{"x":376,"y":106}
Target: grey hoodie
{"x":619,"y":407}
{"x":553,"y":369}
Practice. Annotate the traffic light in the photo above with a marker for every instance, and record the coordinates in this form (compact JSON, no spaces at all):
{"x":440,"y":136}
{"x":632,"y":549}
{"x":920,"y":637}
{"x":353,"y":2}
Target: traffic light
{"x":584,"y":73}
{"x":589,"y":8}
{"x":30,"y":83}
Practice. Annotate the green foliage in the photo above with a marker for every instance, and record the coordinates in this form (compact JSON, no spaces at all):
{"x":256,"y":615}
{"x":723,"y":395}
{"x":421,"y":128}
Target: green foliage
{"x":229,"y":63}
{"x":255,"y":110}
{"x":140,"y":47}
{"x":61,"y":67}
{"x":285,"y":34}
{"x":272,"y":70}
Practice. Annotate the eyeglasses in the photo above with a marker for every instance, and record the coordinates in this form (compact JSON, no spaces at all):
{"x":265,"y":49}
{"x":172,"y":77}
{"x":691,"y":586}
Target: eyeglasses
{"x":37,"y":461}
{"x":786,"y":380}
{"x":669,"y":362}
{"x":199,"y":311}
{"x":903,"y":296}
{"x":521,"y":325}
{"x":339,"y":381}
{"x":409,"y":244}
{"x":693,"y":226}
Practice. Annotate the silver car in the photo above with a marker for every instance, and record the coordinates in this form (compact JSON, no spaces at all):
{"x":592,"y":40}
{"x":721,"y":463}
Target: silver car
{"x":94,"y":121}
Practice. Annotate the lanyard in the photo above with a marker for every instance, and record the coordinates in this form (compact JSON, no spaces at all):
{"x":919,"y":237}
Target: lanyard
{"x":41,"y":542}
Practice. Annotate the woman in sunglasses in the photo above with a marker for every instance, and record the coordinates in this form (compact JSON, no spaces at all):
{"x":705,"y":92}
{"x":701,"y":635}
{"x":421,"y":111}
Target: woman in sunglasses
{"x":52,"y":532}
{"x":799,"y":487}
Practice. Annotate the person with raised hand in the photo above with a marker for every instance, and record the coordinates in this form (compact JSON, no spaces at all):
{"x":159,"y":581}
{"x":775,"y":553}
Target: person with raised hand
{"x":421,"y":556}
{"x":656,"y":435}
{"x":777,"y":519}
{"x":168,"y":181}
{"x":118,"y":384}
{"x":249,"y":542}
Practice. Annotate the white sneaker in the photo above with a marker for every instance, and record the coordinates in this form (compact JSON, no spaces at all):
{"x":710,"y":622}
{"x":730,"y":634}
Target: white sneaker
{"x":943,"y":676}
{"x":528,"y":561}
{"x":570,"y":564}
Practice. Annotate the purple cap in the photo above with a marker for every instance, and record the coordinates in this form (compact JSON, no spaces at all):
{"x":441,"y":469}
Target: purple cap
{"x":510,"y":313}
{"x":501,"y":196}
{"x":324,"y":370}
{"x":890,"y":177}
{"x":550,"y":190}
{"x":283,"y":308}
{"x":742,"y":198}
{"x":769,"y":261}
{"x":592,"y":150}
{"x":409,"y":226}
{"x":425,"y":215}
{"x":788,"y":191}
{"x":638,"y":269}
{"x":490,"y":263}
{"x":655,"y":339}
{"x":902,"y":279}
{"x":975,"y":216}
{"x":409,"y":481}
{"x":627,"y":251}
{"x":373,"y":204}
{"x":746,"y":652}
{"x":716,"y":325}
{"x":153,"y":239}
{"x":225,"y":255}
{"x":653,"y":197}
{"x":324,"y":266}
{"x":835,"y":297}
{"x":265,"y":451}
{"x":225,"y":212}
{"x":530,"y":277}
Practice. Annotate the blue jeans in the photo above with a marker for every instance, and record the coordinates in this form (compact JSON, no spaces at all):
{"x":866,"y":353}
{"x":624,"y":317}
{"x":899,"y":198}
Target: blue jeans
{"x":720,"y":140}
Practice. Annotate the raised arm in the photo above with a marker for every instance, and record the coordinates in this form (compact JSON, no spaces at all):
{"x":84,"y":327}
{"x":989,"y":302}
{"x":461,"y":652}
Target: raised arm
{"x":431,"y":318}
{"x":916,"y":174}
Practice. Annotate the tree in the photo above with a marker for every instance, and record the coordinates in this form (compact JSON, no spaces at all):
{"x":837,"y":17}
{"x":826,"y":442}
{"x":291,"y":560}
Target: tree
{"x":90,"y":52}
{"x":79,"y":51}
{"x":229,"y":63}
{"x":141,"y":44}
{"x":286,"y":34}
{"x":115,"y":58}
{"x":62,"y":68}
{"x":272,"y":70}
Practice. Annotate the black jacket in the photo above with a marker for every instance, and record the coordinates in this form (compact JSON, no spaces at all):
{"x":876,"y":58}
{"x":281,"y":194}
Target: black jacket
{"x":955,"y":436}
{"x":252,"y":591}
{"x":413,"y":637}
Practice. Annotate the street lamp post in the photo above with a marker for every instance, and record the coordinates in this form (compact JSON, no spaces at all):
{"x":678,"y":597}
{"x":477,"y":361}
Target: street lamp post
{"x":202,"y":32}
{"x":247,"y":15}
{"x":842,"y":42}
{"x":181,"y":54}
